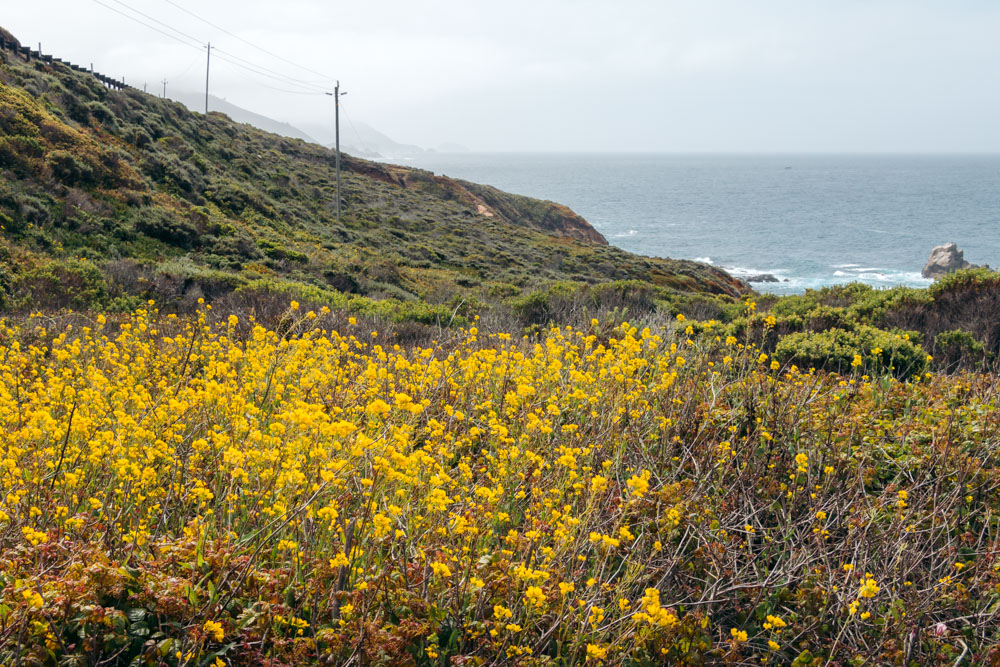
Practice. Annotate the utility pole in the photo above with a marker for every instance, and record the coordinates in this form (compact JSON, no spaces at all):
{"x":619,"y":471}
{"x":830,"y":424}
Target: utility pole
{"x":336,"y":98}
{"x":164,"y":89}
{"x":208,"y":63}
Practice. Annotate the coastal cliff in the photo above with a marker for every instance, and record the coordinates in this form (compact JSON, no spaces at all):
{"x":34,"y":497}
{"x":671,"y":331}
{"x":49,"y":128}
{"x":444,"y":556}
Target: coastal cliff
{"x":487,"y":200}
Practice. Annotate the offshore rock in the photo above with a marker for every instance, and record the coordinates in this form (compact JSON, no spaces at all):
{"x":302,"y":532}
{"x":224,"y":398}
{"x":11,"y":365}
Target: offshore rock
{"x":945,"y":259}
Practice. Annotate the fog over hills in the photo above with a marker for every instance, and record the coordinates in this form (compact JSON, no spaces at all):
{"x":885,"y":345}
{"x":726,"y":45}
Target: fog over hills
{"x":359,"y":138}
{"x":196,"y":102}
{"x":356,"y":137}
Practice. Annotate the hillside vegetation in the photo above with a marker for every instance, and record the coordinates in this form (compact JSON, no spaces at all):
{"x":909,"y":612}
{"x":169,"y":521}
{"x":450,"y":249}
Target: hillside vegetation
{"x":108,"y":198}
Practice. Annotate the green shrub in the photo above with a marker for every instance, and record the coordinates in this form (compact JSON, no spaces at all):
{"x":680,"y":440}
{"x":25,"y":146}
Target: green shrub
{"x":964,"y":280}
{"x":17,"y":153}
{"x":835,"y":350}
{"x":279,"y":252}
{"x":875,"y":305}
{"x":167,"y":227}
{"x":69,"y":169}
{"x":182,"y":282}
{"x":102,"y":114}
{"x":7,"y":274}
{"x":22,"y":208}
{"x":958,"y":349}
{"x":174,"y":175}
{"x":541,"y":307}
{"x":262,"y":293}
{"x":341,"y":280}
{"x":236,"y":199}
{"x":76,"y":284}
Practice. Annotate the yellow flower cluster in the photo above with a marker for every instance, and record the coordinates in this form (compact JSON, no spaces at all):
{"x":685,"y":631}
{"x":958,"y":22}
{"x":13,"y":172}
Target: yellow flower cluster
{"x":652,"y":612}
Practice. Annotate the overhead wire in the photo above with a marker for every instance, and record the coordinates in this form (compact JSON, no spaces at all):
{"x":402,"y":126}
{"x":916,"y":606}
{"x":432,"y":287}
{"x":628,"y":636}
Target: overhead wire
{"x":269,"y":87}
{"x":143,"y":23}
{"x":237,"y":61}
{"x":186,"y":69}
{"x":325,"y":78}
{"x":264,"y":71}
{"x":357,"y":134}
{"x":159,"y":22}
{"x":234,"y":61}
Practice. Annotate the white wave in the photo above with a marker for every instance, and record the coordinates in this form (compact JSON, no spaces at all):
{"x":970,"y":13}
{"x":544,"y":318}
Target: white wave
{"x":705,"y":260}
{"x":622,"y":235}
{"x":845,"y":266}
{"x":888,"y":277}
{"x":749,"y":271}
{"x":839,"y":273}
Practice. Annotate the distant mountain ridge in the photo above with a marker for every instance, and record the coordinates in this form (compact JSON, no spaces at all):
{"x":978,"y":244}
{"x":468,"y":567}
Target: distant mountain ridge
{"x":361,"y":139}
{"x":356,"y":137}
{"x":196,"y":102}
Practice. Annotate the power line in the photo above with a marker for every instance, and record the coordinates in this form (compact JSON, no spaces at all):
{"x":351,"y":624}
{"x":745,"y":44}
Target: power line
{"x":283,"y":76}
{"x":226,"y":57}
{"x":361,"y":141}
{"x":158,"y":22}
{"x":325,"y":78}
{"x":132,"y":18}
{"x":270,"y":73}
{"x":264,"y":85}
{"x":187,"y":69}
{"x":259,"y":70}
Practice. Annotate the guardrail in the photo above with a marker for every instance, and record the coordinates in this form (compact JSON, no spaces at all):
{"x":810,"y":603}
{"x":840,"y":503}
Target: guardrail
{"x":30,"y":54}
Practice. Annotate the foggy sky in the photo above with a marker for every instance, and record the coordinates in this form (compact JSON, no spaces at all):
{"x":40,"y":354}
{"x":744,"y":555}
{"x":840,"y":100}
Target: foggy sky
{"x":577,"y":75}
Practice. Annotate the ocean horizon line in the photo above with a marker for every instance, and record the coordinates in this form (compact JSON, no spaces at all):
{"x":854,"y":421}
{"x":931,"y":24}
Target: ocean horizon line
{"x":720,"y":153}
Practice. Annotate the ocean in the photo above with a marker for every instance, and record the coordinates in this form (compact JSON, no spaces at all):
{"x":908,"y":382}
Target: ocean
{"x":809,"y":220}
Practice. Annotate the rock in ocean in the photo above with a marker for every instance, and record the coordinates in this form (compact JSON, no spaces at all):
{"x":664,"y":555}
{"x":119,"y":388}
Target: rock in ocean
{"x":944,"y":259}
{"x":761,"y":278}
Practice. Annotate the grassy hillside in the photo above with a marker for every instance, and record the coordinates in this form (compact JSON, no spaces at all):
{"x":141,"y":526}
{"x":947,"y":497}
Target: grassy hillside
{"x":108,"y":198}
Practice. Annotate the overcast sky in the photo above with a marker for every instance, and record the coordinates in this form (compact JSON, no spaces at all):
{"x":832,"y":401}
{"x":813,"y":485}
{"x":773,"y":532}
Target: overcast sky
{"x":576,"y":75}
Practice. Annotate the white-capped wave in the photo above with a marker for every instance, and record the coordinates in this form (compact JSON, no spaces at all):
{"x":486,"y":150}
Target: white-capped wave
{"x":749,"y":271}
{"x":625,"y":234}
{"x":705,"y":260}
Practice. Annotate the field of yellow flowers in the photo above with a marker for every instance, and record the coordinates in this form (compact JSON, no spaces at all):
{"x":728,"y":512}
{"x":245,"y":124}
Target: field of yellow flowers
{"x":206,"y":491}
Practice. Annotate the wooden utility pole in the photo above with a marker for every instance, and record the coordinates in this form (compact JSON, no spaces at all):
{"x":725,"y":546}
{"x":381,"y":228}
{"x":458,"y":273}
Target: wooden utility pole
{"x":164,"y":89}
{"x":336,"y":114}
{"x":208,"y":63}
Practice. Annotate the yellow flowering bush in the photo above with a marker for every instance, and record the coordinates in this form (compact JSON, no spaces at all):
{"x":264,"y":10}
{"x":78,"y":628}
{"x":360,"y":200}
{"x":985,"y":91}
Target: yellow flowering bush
{"x":180,"y":490}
